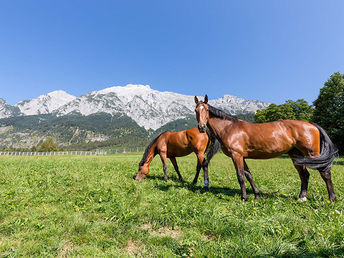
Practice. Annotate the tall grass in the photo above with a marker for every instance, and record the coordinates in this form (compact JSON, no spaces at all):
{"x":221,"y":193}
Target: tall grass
{"x":92,"y":206}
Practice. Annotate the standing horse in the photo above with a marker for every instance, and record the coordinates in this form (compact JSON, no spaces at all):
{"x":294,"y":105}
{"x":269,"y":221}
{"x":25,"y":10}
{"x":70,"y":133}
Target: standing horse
{"x":178,"y":144}
{"x":307,"y":144}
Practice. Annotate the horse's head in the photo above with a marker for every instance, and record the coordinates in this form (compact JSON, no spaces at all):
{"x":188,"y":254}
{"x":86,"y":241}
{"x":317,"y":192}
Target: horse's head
{"x":202,"y":113}
{"x":143,"y":171}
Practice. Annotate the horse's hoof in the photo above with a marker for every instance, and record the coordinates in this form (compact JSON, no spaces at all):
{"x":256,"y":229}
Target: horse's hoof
{"x":302,"y":199}
{"x":194,"y":182}
{"x":333,"y":199}
{"x":181,"y":180}
{"x":256,"y":197}
{"x":205,"y":188}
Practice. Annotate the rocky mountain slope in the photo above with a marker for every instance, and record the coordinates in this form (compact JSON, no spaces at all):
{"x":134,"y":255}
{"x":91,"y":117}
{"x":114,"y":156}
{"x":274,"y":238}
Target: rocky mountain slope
{"x":147,"y":107}
{"x":138,"y":109}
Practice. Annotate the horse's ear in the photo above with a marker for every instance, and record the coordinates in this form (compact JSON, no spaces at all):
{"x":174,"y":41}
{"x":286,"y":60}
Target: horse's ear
{"x":196,"y":100}
{"x":205,"y":99}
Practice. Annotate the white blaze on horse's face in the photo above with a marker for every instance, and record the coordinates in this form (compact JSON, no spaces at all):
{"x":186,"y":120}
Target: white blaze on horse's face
{"x":202,"y":115}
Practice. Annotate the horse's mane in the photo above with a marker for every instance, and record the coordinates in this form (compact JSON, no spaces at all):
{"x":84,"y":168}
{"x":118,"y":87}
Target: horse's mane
{"x":145,"y":155}
{"x":220,"y":114}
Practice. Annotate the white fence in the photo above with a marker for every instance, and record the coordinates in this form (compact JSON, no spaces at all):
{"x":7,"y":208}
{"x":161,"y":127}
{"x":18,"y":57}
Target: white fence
{"x":57,"y":153}
{"x":60,"y":153}
{"x":126,"y":150}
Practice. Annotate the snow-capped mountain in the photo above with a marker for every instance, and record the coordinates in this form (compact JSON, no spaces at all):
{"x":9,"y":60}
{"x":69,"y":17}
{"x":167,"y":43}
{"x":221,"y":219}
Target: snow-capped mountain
{"x":147,"y":107}
{"x":44,"y":104}
{"x":150,"y":108}
{"x":7,"y":110}
{"x":234,"y":105}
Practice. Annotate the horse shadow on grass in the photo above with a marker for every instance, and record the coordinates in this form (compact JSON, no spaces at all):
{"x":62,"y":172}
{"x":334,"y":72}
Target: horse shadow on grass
{"x":323,"y":252}
{"x":215,"y":190}
{"x":338,"y":162}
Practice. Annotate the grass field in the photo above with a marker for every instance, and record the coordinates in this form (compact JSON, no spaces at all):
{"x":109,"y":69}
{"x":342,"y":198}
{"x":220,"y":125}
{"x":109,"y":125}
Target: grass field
{"x":92,"y":206}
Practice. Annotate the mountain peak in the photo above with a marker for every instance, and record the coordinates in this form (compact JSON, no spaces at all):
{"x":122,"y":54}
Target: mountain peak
{"x":126,"y":88}
{"x":59,"y":93}
{"x":45,"y":104}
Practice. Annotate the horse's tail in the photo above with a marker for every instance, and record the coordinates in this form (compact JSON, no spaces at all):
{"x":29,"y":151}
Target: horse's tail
{"x":328,"y":152}
{"x":145,"y":154}
{"x":214,"y":146}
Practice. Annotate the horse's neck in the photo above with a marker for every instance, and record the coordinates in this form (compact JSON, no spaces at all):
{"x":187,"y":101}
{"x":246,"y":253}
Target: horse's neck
{"x":217,"y":125}
{"x":151,"y":154}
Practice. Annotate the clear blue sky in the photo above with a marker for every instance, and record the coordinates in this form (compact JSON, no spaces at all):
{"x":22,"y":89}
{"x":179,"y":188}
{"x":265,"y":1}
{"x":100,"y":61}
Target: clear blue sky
{"x":268,"y":50}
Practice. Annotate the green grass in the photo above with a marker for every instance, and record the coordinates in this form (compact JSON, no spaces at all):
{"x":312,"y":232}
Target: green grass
{"x":92,"y":206}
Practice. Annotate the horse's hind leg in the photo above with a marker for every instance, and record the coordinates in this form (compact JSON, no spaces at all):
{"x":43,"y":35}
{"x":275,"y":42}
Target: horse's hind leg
{"x":304,"y":175}
{"x":250,"y":179}
{"x":163,"y":160}
{"x":326,"y":176}
{"x":175,"y":165}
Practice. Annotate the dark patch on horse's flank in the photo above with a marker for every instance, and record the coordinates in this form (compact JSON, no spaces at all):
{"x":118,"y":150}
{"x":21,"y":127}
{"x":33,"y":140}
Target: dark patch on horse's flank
{"x":145,"y":155}
{"x":220,"y":114}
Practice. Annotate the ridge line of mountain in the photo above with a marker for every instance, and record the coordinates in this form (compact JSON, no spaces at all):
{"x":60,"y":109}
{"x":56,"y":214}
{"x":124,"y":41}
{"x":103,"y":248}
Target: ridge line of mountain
{"x":149,"y":108}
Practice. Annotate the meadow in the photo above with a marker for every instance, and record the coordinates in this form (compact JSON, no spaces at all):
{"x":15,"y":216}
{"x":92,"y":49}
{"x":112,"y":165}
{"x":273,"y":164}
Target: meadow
{"x":92,"y":206}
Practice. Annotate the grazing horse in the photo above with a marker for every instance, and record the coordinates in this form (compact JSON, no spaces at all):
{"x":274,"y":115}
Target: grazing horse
{"x":178,"y":144}
{"x":307,"y":144}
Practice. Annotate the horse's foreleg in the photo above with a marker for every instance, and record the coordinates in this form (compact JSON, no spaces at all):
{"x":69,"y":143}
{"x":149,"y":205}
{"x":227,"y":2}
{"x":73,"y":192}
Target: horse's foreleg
{"x":238,"y":161}
{"x":202,"y":163}
{"x":198,"y":169}
{"x":163,"y":160}
{"x":250,"y":179}
{"x":205,"y":172}
{"x":326,"y":176}
{"x":175,"y":165}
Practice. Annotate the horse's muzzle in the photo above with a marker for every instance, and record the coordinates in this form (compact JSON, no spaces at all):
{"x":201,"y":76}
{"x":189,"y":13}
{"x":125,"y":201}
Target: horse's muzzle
{"x":139,"y":178}
{"x":202,"y":128}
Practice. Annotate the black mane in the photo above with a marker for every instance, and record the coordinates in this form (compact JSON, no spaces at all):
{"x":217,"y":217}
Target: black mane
{"x":220,"y":114}
{"x":145,"y":155}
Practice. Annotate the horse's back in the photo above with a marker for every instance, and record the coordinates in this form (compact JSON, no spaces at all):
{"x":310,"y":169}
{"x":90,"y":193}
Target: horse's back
{"x":182,"y":143}
{"x":265,"y":140}
{"x":176,"y":144}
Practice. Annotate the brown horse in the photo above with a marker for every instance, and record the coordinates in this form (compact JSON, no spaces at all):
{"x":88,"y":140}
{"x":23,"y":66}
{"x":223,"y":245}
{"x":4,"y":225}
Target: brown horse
{"x":307,"y":144}
{"x":178,"y":144}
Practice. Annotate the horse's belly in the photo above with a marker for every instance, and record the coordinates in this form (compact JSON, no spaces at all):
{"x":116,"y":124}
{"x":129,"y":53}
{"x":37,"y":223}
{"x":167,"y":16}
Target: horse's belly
{"x":263,"y":155}
{"x":269,"y":149}
{"x":178,"y":152}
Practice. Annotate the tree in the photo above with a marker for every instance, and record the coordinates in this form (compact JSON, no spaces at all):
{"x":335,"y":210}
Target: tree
{"x":329,"y":109}
{"x":297,"y":110}
{"x":301,"y":109}
{"x":48,"y":145}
